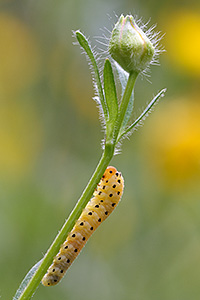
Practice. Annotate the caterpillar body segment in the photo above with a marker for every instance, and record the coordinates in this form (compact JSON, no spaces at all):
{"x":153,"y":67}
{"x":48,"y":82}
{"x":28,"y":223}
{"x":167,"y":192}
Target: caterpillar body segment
{"x":105,"y":198}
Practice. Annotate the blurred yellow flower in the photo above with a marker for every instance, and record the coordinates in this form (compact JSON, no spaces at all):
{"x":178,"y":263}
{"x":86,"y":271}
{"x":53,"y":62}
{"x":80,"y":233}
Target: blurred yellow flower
{"x":20,"y":138}
{"x":19,"y":56}
{"x":172,"y":142}
{"x":183,"y":40}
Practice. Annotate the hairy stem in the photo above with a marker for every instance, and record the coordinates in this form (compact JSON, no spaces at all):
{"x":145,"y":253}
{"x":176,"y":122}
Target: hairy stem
{"x":68,"y":225}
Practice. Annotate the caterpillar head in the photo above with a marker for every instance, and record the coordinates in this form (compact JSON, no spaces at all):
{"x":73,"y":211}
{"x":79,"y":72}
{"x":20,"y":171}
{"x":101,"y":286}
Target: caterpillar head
{"x":109,"y":172}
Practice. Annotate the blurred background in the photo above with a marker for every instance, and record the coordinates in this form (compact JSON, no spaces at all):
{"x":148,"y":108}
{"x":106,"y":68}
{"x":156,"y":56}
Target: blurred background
{"x":50,"y":144}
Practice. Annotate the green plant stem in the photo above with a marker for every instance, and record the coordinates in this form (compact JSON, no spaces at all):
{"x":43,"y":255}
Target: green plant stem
{"x":68,"y":225}
{"x":124,"y":103}
{"x":86,"y":195}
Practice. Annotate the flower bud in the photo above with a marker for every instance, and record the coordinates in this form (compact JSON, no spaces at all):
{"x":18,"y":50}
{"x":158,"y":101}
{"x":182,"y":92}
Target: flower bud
{"x":130,"y":46}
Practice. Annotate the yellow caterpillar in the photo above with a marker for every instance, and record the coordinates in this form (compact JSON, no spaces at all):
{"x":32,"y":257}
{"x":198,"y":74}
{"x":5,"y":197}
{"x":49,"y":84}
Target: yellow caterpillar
{"x":105,"y":199}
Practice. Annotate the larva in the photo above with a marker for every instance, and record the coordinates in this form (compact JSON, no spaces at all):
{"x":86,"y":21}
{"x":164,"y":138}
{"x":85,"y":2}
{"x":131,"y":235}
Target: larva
{"x":105,"y":198}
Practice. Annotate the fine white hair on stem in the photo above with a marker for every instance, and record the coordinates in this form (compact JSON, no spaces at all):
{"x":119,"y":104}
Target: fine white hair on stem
{"x":96,"y":56}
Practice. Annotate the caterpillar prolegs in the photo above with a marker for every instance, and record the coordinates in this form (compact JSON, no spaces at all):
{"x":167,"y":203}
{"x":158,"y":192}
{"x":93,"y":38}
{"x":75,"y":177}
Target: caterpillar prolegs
{"x":105,"y":198}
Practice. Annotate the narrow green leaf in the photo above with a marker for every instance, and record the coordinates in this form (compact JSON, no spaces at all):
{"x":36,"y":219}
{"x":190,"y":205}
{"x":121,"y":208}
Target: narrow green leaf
{"x":26,"y":280}
{"x":144,"y":114}
{"x":124,"y":104}
{"x":110,"y":91}
{"x":123,"y":78}
{"x":122,"y":75}
{"x":85,"y":45}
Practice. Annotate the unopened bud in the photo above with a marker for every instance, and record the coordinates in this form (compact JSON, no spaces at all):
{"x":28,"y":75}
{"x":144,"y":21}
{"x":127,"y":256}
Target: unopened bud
{"x":129,"y":46}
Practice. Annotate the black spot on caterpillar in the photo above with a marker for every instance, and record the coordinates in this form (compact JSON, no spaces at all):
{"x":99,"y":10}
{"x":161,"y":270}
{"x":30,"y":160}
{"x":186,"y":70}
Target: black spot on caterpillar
{"x":105,"y":198}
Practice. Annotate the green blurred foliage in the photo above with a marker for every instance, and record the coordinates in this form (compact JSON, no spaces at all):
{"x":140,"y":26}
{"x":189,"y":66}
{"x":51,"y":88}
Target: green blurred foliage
{"x":50,"y":144}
